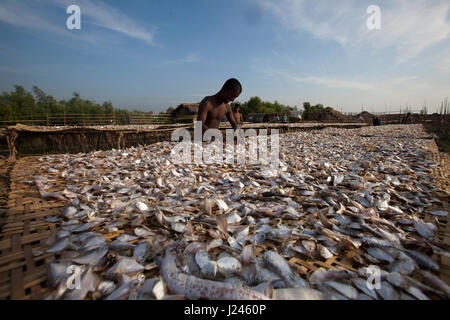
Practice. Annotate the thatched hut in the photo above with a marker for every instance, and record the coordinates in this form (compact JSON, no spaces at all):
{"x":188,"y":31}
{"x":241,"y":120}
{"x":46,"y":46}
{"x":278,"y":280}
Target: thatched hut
{"x":332,"y":115}
{"x":323,"y":115}
{"x":186,"y":109}
{"x":366,"y":116}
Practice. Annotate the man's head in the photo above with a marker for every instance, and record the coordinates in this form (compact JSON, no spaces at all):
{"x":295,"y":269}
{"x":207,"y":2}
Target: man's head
{"x":237,"y":106}
{"x":231,"y":90}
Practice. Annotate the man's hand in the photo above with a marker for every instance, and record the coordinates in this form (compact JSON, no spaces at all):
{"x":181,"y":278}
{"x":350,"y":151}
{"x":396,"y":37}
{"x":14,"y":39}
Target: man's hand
{"x":231,"y":118}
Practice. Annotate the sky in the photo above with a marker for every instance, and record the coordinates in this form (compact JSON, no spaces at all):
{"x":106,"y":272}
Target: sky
{"x":149,"y":55}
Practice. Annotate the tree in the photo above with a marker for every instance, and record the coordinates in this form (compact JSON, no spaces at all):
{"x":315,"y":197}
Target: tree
{"x":169,"y":110}
{"x":108,"y":107}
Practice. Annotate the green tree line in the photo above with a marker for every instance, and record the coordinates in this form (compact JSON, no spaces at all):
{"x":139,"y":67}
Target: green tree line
{"x":21,"y":104}
{"x":256,"y":105}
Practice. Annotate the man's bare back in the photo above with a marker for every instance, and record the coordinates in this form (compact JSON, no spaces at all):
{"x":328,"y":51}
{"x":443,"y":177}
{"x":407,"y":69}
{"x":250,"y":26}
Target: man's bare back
{"x":214,"y":108}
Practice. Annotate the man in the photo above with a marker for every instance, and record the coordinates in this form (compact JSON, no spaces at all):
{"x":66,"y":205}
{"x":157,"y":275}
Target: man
{"x":237,"y":114}
{"x":214,"y":108}
{"x":276,"y":118}
{"x":407,"y":118}
{"x":376,"y":121}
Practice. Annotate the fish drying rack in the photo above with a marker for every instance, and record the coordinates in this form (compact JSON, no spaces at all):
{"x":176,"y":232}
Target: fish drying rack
{"x":23,"y":261}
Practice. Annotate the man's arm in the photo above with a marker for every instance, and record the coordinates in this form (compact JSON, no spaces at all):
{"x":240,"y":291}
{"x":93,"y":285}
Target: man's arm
{"x":231,"y":118}
{"x":202,"y":116}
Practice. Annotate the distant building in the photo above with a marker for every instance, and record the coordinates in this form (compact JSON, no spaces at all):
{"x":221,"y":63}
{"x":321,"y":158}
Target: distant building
{"x":366,"y":116}
{"x":186,"y":109}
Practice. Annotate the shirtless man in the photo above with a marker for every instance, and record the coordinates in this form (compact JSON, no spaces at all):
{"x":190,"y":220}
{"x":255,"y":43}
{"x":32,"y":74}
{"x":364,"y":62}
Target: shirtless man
{"x":214,"y":108}
{"x":237,"y":114}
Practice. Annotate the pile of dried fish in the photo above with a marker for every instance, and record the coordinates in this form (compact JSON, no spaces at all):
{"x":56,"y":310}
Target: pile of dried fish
{"x":140,"y":227}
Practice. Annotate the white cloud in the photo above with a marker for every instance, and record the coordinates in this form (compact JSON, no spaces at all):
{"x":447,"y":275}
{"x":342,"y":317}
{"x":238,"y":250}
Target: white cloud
{"x":321,"y":81}
{"x":110,"y":18}
{"x":18,"y":14}
{"x":335,"y":83}
{"x":35,"y":18}
{"x":188,"y":59}
{"x":408,"y":26}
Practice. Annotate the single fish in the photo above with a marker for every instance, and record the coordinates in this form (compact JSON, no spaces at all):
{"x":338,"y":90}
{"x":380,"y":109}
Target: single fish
{"x":119,"y":245}
{"x":88,"y":283}
{"x":300,"y":293}
{"x":397,"y":280}
{"x":235,"y":281}
{"x":344,"y":289}
{"x":207,"y":266}
{"x":106,"y":287}
{"x":51,"y":219}
{"x":193,"y":287}
{"x":229,"y":266}
{"x":60,"y":245}
{"x":125,"y":265}
{"x":361,"y":284}
{"x":142,"y":252}
{"x":280,"y":266}
{"x":265,"y":288}
{"x":86,"y":226}
{"x":91,"y":257}
{"x":324,"y":252}
{"x":126,"y":238}
{"x":128,"y":285}
{"x":57,"y":272}
{"x":93,"y":243}
{"x":417,"y":293}
{"x":423,"y":260}
{"x":435,"y":282}
{"x":423,"y":229}
{"x":375,"y":242}
{"x":439,"y":213}
{"x":381,"y":255}
{"x":213,"y":244}
{"x":387,"y":292}
{"x":146,"y":289}
{"x":321,"y":275}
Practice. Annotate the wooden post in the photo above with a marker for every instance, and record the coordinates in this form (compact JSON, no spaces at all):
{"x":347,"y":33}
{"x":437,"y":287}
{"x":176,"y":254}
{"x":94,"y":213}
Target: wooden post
{"x":47,"y":118}
{"x":11,"y":137}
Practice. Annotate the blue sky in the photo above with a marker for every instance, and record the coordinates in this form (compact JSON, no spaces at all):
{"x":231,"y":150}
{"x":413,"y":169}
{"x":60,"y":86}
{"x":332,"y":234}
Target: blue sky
{"x":150,"y":55}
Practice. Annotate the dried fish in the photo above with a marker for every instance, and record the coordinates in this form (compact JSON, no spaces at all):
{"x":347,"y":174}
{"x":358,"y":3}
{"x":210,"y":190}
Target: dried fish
{"x":125,"y":265}
{"x":423,"y":260}
{"x":387,"y":292}
{"x":207,"y":266}
{"x":361,"y":284}
{"x":190,"y":286}
{"x":229,"y":266}
{"x":299,"y":293}
{"x":91,"y":257}
{"x":327,"y":199}
{"x":280,"y":266}
{"x":344,"y":289}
